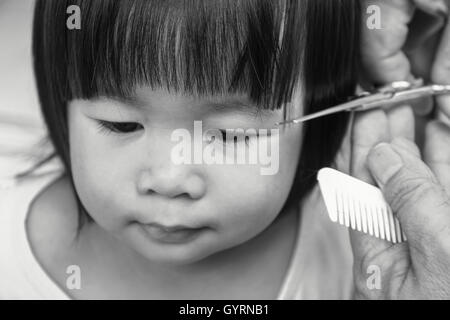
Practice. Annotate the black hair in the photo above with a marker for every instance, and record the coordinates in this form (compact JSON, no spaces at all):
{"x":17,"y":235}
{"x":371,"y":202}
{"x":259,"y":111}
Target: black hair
{"x":263,"y":48}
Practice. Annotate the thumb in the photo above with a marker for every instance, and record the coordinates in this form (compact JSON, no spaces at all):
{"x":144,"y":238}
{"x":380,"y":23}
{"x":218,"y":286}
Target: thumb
{"x":412,"y":191}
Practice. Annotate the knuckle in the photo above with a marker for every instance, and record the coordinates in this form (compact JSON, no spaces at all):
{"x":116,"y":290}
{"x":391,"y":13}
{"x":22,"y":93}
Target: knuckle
{"x":406,"y":190}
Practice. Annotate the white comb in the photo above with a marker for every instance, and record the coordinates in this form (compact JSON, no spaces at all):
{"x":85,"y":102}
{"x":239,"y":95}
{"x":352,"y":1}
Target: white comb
{"x":358,"y":205}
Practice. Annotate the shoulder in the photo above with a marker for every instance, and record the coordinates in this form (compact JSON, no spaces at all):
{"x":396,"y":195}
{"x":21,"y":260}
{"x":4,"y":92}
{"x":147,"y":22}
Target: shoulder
{"x":21,"y":202}
{"x":52,"y":220}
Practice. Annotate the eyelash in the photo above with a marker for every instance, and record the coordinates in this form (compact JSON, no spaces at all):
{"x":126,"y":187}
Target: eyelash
{"x":114,"y":127}
{"x":235,"y":140}
{"x":108,"y":127}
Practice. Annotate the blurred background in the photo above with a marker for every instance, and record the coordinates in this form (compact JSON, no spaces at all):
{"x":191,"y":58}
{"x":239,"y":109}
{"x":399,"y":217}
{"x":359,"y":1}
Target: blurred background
{"x":21,"y":125}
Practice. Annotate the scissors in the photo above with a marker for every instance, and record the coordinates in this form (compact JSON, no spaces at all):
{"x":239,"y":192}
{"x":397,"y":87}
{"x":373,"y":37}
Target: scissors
{"x":386,"y":96}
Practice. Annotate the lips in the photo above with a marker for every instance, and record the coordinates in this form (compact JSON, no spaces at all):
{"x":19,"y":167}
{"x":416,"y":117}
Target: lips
{"x":172,"y":234}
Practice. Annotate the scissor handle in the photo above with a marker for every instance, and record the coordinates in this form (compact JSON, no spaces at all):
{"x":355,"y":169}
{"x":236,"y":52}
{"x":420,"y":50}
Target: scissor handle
{"x":406,"y":95}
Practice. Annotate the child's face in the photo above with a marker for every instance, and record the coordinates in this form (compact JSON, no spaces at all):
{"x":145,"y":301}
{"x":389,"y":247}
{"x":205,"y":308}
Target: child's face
{"x":127,"y":180}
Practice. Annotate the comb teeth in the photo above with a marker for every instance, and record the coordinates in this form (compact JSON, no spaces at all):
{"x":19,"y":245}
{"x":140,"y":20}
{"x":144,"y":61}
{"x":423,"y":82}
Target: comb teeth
{"x":358,"y":205}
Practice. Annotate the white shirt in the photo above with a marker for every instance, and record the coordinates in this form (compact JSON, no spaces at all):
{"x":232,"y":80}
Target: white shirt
{"x":320,"y":266}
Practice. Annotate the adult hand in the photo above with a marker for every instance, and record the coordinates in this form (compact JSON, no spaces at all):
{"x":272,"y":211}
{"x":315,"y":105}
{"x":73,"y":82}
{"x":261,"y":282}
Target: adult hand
{"x":413,"y":38}
{"x":417,"y":187}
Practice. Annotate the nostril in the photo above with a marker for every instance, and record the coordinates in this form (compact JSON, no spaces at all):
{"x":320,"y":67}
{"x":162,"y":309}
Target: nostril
{"x":183,"y":195}
{"x":191,"y":187}
{"x":149,"y":192}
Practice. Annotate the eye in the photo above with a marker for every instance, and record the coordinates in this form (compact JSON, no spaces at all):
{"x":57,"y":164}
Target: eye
{"x":233,"y":137}
{"x":119,"y":127}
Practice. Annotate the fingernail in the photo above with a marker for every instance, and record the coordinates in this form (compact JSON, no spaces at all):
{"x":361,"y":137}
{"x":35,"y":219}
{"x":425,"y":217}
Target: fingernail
{"x":384,"y":163}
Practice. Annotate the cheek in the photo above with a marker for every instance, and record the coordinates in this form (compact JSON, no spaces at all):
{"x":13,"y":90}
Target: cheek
{"x":99,"y":177}
{"x":246,"y":205}
{"x":247,"y":201}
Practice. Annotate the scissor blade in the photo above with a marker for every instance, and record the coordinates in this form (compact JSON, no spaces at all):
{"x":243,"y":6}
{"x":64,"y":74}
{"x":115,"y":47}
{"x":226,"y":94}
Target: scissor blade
{"x":387,"y":99}
{"x":347,"y":106}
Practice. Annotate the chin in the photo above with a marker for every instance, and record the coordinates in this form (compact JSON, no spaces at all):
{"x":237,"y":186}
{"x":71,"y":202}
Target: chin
{"x":174,"y":254}
{"x":177,"y":256}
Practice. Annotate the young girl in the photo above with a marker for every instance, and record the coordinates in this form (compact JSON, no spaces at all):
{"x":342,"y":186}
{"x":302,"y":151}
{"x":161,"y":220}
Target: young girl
{"x":125,"y":219}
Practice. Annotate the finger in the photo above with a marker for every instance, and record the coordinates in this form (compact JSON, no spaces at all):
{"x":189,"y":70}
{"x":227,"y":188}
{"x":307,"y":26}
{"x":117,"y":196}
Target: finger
{"x":381,"y":49}
{"x":413,"y":193}
{"x":397,"y":122}
{"x":437,"y":142}
{"x":422,"y":106}
{"x":443,"y":103}
{"x":370,"y":128}
{"x":437,"y":151}
{"x":401,"y":122}
{"x":441,"y":69}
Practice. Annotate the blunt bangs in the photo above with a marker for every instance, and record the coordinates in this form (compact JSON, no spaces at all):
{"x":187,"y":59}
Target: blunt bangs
{"x":194,"y":47}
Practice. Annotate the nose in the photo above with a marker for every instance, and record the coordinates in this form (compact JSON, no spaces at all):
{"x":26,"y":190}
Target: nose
{"x":160,"y":175}
{"x":172,"y":181}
